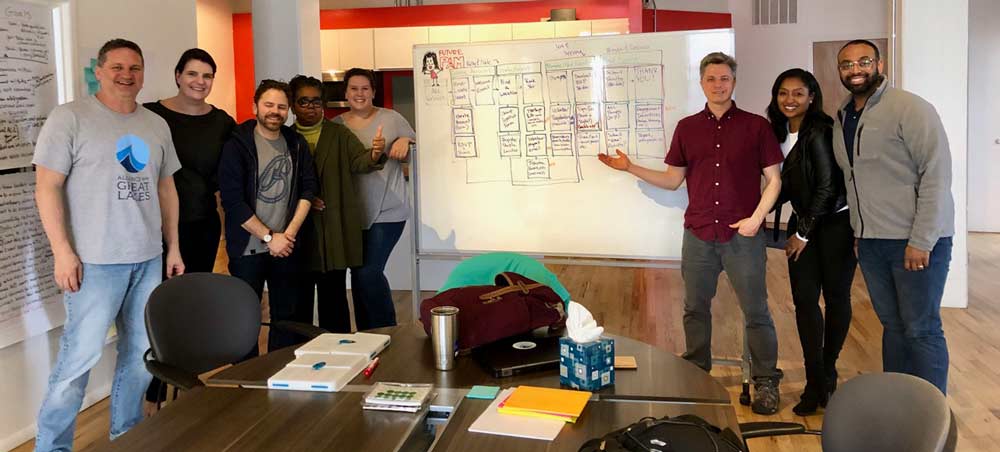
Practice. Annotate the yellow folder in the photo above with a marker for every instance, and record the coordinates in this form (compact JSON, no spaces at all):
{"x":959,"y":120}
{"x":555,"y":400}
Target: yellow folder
{"x":563,"y":404}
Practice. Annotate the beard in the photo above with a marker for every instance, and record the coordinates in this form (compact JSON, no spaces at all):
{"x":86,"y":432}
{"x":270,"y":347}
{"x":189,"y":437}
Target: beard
{"x":872,"y":82}
{"x":262,"y":121}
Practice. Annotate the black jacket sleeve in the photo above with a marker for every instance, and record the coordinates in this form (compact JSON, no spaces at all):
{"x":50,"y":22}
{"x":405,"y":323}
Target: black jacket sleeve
{"x":232,"y":175}
{"x":308,"y":187}
{"x":824,"y":193}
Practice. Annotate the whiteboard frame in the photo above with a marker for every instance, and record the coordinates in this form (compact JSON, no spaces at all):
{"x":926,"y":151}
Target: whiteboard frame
{"x":418,"y":254}
{"x":418,"y":251}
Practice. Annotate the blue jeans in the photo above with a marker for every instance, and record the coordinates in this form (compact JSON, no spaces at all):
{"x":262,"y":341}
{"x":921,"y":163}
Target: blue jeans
{"x":372,"y":297}
{"x":908,"y":304}
{"x":108,"y":293}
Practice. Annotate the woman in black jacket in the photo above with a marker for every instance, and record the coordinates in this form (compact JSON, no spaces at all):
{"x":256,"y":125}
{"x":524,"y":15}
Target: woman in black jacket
{"x":820,"y":240}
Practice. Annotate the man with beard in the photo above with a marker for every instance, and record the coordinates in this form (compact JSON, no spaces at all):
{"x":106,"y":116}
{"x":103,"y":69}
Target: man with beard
{"x":267,"y":183}
{"x":897,"y":168}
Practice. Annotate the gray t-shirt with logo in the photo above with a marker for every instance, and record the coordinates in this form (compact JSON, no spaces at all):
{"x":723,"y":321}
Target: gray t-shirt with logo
{"x":383,"y":192}
{"x":113,"y":163}
{"x":274,"y":186}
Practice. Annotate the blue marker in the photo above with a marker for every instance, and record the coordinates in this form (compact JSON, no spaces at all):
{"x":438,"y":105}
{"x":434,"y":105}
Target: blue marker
{"x":345,"y":341}
{"x":319,"y":365}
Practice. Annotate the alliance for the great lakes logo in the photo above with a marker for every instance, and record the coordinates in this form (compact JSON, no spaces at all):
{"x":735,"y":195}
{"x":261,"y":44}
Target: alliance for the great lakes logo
{"x":132,"y":153}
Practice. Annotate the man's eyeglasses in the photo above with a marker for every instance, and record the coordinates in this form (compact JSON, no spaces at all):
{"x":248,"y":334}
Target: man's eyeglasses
{"x":863,"y":63}
{"x":309,"y":102}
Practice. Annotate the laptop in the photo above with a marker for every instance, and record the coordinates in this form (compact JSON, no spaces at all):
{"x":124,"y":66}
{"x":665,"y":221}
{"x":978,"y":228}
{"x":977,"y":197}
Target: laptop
{"x":518,"y":355}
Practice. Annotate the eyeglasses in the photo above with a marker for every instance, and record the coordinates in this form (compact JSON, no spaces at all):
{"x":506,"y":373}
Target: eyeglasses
{"x":309,"y":102}
{"x":863,"y":63}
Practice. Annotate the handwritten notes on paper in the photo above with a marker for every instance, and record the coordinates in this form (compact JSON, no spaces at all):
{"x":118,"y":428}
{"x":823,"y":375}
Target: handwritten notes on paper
{"x":27,"y":79}
{"x":29,"y":297}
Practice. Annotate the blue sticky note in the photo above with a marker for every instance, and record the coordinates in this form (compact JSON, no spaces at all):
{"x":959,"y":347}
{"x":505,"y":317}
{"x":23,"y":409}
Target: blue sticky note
{"x":483,"y":392}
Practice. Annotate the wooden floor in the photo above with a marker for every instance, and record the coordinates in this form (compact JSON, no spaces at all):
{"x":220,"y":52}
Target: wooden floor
{"x":645,"y":304}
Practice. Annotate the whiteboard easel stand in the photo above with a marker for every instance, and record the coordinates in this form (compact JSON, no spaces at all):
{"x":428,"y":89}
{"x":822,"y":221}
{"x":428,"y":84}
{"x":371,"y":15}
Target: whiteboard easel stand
{"x":417,"y":255}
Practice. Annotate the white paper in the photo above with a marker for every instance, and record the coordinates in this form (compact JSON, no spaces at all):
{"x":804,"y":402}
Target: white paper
{"x":496,"y":423}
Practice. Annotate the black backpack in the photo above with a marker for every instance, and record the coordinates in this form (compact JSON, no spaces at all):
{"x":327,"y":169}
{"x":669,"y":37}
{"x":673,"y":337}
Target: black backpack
{"x":684,"y":433}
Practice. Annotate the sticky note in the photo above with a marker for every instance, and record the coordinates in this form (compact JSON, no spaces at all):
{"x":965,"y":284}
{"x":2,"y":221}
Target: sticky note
{"x":625,"y":362}
{"x":483,"y":392}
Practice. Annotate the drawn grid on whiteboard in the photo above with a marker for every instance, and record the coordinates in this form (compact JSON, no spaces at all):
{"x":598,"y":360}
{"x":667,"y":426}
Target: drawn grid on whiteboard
{"x":521,"y":174}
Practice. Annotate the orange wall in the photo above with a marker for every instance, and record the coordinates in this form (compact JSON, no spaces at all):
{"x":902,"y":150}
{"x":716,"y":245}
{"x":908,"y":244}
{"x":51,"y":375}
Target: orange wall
{"x":243,"y":67}
{"x":462,"y":14}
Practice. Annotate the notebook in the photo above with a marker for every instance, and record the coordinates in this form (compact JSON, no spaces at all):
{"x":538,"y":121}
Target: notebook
{"x":398,"y":396}
{"x":493,"y":422}
{"x":365,"y":344}
{"x":318,"y":373}
{"x":545,"y":403}
{"x":519,"y":355}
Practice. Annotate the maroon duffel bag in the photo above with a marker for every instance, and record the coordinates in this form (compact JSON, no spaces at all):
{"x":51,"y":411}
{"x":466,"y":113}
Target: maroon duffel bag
{"x":486,"y":314}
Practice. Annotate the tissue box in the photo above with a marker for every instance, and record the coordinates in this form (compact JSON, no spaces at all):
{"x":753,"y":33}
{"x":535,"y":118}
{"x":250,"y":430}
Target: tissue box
{"x":588,"y":366}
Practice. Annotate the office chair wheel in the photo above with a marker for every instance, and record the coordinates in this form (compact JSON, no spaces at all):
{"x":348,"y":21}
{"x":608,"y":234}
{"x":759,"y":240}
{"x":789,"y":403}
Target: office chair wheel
{"x":745,"y":395}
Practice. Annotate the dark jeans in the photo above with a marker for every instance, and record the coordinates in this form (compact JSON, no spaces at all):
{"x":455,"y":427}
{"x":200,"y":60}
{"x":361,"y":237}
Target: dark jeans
{"x":827,"y":265}
{"x":199,"y":243}
{"x":908,"y":304}
{"x":282,"y":289}
{"x":331,"y":300}
{"x":372,"y":297}
{"x":744,"y":260}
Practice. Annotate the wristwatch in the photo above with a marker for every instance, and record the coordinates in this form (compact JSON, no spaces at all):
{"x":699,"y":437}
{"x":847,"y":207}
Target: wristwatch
{"x":267,"y":237}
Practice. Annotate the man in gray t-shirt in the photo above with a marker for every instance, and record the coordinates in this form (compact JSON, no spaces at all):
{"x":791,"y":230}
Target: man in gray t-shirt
{"x":267,"y":182}
{"x":274,"y":182}
{"x":106,"y":198}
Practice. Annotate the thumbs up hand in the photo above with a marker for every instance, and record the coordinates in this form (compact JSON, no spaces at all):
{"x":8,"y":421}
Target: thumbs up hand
{"x":378,"y":144}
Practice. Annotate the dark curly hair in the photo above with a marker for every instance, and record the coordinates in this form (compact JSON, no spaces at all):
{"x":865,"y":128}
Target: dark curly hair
{"x":268,"y":84}
{"x":302,"y":81}
{"x":815,"y":113}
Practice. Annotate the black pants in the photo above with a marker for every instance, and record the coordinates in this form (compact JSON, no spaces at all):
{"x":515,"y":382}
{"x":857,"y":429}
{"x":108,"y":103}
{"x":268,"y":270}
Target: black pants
{"x":331,"y":300}
{"x":199,"y":244}
{"x":826,"y":265}
{"x":283,"y":289}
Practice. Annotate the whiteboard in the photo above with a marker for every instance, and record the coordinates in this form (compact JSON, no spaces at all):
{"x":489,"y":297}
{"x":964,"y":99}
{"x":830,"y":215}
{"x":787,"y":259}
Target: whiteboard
{"x":28,"y":90}
{"x":508,"y":135}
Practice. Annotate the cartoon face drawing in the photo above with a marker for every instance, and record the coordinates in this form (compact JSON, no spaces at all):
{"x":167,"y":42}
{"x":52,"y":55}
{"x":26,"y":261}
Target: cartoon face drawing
{"x":432,"y":67}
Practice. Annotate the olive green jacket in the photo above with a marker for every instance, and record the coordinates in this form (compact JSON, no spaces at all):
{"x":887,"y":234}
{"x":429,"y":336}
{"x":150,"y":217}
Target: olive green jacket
{"x":331,"y":238}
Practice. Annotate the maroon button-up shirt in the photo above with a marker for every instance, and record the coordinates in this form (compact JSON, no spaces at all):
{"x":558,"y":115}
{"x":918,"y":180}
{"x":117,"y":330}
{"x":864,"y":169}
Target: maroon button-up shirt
{"x":724,"y":158}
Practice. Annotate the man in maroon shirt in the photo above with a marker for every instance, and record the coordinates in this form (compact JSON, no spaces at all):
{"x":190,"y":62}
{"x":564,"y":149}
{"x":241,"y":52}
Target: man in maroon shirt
{"x":722,"y":152}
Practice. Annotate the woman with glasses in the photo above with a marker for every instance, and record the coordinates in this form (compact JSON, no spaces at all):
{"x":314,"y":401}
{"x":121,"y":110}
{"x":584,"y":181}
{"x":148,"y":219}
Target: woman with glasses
{"x":383,"y":193}
{"x":820,"y":239}
{"x":332,"y":239}
{"x":198,"y":130}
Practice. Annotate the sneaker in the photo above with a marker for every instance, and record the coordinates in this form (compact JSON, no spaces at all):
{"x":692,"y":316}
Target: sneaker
{"x":766,"y":396}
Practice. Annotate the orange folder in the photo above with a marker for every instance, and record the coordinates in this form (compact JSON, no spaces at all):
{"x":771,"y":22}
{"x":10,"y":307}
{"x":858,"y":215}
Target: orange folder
{"x":550,"y":403}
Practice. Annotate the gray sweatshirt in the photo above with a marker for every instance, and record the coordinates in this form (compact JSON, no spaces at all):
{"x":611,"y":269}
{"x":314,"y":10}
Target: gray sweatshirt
{"x":899,"y":186}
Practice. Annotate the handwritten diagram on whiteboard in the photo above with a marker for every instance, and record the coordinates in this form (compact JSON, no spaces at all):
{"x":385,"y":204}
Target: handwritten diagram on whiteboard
{"x":508,"y":135}
{"x":28,"y":89}
{"x":549,"y":114}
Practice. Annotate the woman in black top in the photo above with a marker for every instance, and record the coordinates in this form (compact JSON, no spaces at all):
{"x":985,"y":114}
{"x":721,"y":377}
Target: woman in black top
{"x":820,"y":240}
{"x":198,"y":130}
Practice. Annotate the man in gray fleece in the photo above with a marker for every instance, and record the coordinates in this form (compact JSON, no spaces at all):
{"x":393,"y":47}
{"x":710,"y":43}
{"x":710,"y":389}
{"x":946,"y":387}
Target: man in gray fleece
{"x":897,"y":168}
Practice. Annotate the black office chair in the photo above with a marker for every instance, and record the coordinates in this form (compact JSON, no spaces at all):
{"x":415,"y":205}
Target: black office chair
{"x":884,"y":412}
{"x":202,"y":321}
